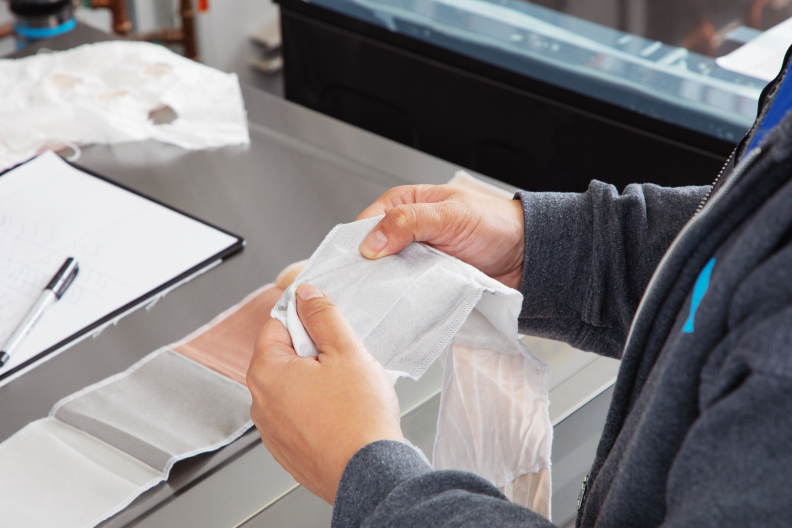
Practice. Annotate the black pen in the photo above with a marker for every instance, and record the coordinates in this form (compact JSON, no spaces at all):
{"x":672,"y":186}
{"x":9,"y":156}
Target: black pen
{"x":53,"y":291}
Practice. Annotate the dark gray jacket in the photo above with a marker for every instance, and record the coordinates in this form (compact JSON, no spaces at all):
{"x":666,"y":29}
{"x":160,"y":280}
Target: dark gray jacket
{"x":699,"y":432}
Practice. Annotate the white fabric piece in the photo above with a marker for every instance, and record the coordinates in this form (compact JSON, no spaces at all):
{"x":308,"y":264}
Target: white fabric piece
{"x":409,"y":308}
{"x":54,"y":475}
{"x":103,"y":93}
{"x":499,"y":401}
{"x":532,"y":490}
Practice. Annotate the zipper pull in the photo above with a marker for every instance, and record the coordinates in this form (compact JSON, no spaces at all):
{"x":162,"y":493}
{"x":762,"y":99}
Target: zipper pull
{"x":582,"y":492}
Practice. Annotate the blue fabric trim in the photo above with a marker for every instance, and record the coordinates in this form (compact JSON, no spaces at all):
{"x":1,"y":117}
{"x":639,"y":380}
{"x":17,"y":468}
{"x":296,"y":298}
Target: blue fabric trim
{"x":702,"y":283}
{"x":781,"y":105}
{"x":45,"y":32}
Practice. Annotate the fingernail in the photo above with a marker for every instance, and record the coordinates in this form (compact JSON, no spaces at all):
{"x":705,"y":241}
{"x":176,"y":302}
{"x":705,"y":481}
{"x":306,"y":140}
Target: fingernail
{"x":308,"y":291}
{"x":373,"y":243}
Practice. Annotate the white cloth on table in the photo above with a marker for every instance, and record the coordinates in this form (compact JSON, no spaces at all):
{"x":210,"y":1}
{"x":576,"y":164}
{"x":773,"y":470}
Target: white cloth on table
{"x":104,"y":92}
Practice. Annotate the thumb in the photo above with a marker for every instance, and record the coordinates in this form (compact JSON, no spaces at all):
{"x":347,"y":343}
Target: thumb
{"x":324,"y":322}
{"x":405,"y":224}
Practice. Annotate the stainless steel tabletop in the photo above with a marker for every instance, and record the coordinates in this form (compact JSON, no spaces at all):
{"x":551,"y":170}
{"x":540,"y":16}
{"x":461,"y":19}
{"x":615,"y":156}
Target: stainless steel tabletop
{"x":302,"y":174}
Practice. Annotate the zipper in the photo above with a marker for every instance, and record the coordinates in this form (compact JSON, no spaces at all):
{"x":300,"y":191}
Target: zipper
{"x":705,"y":207}
{"x":714,"y":183}
{"x":703,"y":210}
{"x":582,"y":493}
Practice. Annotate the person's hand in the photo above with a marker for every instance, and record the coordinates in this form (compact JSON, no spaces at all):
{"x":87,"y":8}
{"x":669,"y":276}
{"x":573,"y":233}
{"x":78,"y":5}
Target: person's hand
{"x":315,"y":413}
{"x":484,"y":231}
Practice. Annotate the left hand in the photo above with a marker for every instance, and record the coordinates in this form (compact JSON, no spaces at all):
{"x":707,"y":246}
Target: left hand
{"x":487,"y":233}
{"x":314,"y":413}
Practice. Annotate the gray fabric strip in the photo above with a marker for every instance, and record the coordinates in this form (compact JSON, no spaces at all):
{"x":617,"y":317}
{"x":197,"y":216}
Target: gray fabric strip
{"x":164,"y":408}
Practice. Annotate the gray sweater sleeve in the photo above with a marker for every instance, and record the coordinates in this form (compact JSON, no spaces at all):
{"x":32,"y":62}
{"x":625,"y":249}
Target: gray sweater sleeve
{"x":589,"y":257}
{"x":388,"y":485}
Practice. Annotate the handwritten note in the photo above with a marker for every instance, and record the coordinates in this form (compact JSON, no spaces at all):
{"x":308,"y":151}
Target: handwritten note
{"x":126,"y":247}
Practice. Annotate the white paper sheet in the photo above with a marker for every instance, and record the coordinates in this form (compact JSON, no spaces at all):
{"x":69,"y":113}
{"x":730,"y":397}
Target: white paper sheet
{"x":126,"y":246}
{"x":763,"y":56}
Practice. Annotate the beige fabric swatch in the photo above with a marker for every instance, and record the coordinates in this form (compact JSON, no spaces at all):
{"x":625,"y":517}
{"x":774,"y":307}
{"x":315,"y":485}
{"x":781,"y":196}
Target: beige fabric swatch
{"x":225,"y":344}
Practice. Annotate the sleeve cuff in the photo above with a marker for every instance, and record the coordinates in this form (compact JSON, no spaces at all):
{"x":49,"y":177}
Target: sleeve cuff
{"x":370,"y":475}
{"x":557,"y":233}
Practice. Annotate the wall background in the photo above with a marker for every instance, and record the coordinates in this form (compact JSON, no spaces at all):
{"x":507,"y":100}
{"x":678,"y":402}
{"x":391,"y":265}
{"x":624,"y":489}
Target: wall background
{"x":224,"y":31}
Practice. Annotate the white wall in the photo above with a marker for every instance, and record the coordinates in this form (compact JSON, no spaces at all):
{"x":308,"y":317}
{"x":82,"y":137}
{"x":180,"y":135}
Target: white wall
{"x":223,"y":32}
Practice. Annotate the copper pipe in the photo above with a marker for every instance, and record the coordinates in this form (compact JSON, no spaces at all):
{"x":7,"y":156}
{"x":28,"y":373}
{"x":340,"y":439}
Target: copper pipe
{"x":121,"y":24}
{"x":755,"y":14}
{"x":701,"y":39}
{"x":184,"y":36}
{"x":188,"y":29}
{"x":167,"y":36}
{"x":6,"y":30}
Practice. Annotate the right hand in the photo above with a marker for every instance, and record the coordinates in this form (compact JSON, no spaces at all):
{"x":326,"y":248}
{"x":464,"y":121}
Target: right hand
{"x":481,"y":230}
{"x":315,"y":413}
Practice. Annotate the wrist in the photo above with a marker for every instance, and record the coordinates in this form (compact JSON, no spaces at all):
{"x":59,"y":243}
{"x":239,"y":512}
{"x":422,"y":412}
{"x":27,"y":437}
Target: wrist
{"x":372,"y":473}
{"x":515,"y":255}
{"x":349,"y":450}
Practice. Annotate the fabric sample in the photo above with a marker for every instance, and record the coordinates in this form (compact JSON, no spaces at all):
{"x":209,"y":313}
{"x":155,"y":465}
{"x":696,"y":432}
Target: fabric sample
{"x":106,"y":444}
{"x":499,"y":401}
{"x":409,"y":308}
{"x":532,"y":489}
{"x":163,"y":409}
{"x":54,"y":475}
{"x":225,"y":344}
{"x":386,"y":300}
{"x":108,"y":93}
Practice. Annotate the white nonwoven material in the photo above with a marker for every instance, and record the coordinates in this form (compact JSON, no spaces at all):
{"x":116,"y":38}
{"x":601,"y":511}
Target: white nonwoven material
{"x":103,"y":93}
{"x":54,"y":475}
{"x":409,"y":308}
{"x":105,"y":445}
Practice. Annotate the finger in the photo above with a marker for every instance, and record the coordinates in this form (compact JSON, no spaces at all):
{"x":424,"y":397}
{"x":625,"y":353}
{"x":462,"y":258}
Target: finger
{"x":324,"y":322}
{"x":264,"y":303}
{"x":273,"y":343}
{"x":404,"y":195}
{"x":289,"y":273}
{"x":405,"y":224}
{"x":273,"y":334}
{"x":389,"y":199}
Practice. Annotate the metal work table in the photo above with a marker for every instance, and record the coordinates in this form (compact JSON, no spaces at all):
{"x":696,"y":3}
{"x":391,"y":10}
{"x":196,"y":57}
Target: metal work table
{"x":302,"y":174}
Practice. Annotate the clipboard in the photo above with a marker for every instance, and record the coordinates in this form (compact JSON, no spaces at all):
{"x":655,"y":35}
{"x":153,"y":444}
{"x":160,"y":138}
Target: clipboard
{"x":102,"y":213}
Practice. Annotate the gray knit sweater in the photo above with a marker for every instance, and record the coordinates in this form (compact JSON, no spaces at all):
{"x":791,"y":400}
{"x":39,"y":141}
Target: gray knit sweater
{"x":700,"y":428}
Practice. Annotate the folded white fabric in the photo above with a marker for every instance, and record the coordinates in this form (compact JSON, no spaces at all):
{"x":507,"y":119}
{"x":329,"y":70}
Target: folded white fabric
{"x":54,"y":475}
{"x":104,"y":92}
{"x":103,"y":446}
{"x":411,"y":307}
